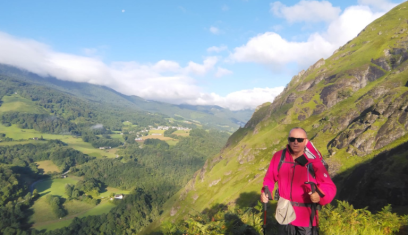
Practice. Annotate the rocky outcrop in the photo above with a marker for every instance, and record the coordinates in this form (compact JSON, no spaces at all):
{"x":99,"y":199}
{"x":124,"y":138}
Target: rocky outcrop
{"x":305,"y":113}
{"x":344,"y":120}
{"x":344,"y":86}
{"x":203,"y":171}
{"x":383,"y":63}
{"x":389,"y":132}
{"x":320,"y":108}
{"x":307,"y":97}
{"x":305,"y":86}
{"x":364,"y":135}
{"x":291,"y":98}
{"x":329,"y":95}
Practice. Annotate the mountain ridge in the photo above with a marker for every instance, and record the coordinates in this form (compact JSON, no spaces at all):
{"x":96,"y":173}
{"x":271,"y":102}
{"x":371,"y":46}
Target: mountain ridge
{"x":221,"y":118}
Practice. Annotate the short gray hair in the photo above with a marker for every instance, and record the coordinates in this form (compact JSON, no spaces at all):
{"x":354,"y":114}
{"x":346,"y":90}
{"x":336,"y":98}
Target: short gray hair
{"x":297,"y":128}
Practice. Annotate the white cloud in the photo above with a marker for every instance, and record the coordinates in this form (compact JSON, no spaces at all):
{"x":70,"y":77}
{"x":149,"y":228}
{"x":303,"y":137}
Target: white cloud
{"x":383,"y":5}
{"x":274,"y":51}
{"x":164,"y":81}
{"x":310,"y":11}
{"x":214,"y":30}
{"x":123,"y":11}
{"x":217,"y":49}
{"x":244,"y":99}
{"x":224,"y":8}
{"x":222,"y":72}
{"x":201,"y":69}
{"x":166,"y":66}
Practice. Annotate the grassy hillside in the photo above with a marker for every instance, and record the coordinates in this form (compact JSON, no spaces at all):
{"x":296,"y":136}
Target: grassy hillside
{"x":353,"y":106}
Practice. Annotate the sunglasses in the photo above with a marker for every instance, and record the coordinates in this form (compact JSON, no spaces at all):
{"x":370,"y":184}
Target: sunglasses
{"x":299,"y":140}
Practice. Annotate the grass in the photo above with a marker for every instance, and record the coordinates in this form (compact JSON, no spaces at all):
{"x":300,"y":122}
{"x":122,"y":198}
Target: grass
{"x":182,"y":133}
{"x":172,"y":142}
{"x":117,"y":136}
{"x":17,"y":103}
{"x":56,"y":223}
{"x":44,"y":219}
{"x":156,"y":132}
{"x":47,"y":166}
{"x":169,"y":140}
{"x":54,"y":186}
{"x":76,"y":143}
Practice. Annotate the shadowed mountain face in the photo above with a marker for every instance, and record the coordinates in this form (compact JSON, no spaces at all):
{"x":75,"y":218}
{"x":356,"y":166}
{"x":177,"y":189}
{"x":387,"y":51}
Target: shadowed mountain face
{"x":383,"y":180}
{"x":211,"y":116}
{"x":354,"y":106}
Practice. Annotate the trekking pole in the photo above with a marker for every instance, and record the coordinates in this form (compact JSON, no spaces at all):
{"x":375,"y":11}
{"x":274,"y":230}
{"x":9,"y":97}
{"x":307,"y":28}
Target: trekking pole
{"x":269,"y":195}
{"x":313,"y":208}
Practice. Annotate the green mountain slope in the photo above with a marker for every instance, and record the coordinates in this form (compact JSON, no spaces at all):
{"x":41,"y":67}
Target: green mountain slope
{"x":212,"y":116}
{"x":353,"y":106}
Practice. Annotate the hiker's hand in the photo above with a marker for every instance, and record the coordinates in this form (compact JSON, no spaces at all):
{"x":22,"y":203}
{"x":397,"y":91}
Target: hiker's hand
{"x":314,"y":197}
{"x":264,"y":198}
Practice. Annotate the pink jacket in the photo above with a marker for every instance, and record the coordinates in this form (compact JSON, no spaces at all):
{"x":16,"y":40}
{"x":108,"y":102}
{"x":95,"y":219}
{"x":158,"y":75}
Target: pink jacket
{"x":300,"y":190}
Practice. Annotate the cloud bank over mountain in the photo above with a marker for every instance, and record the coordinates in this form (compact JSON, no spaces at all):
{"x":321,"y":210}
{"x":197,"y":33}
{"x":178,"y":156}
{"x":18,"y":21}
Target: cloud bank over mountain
{"x":164,"y":80}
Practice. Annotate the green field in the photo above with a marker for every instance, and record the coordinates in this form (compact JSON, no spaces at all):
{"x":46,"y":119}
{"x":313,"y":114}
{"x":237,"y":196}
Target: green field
{"x":172,"y":142}
{"x":110,"y":190}
{"x":17,"y":103}
{"x":54,"y":186}
{"x":182,"y":133}
{"x":117,"y":136}
{"x":102,"y":208}
{"x":76,"y":143}
{"x":156,"y":132}
{"x":43,"y":217}
{"x":169,"y":140}
{"x":47,"y":166}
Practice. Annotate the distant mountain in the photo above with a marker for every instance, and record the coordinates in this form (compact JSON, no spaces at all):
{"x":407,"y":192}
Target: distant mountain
{"x":354,"y":106}
{"x":211,"y":116}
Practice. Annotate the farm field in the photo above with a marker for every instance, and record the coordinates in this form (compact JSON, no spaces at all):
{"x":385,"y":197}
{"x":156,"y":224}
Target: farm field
{"x":104,"y":207}
{"x":76,"y":143}
{"x":169,"y":140}
{"x":44,"y":219}
{"x":182,"y":133}
{"x":172,"y":142}
{"x":16,"y":102}
{"x":156,"y":132}
{"x":117,"y":136}
{"x":47,"y":166}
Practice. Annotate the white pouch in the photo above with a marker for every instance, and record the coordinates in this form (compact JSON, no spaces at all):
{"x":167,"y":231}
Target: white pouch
{"x":285,"y":213}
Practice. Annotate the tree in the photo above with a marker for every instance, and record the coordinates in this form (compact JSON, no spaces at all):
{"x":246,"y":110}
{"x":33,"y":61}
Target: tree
{"x":35,"y":193}
{"x":68,"y":190}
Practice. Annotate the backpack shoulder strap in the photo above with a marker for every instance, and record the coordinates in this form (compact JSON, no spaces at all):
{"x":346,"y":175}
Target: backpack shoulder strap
{"x":282,"y":159}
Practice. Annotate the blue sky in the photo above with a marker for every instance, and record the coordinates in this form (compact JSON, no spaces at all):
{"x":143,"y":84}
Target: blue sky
{"x":236,"y":54}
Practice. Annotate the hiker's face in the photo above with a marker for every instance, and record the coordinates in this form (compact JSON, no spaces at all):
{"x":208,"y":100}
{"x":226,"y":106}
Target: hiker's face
{"x":297,"y":146}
